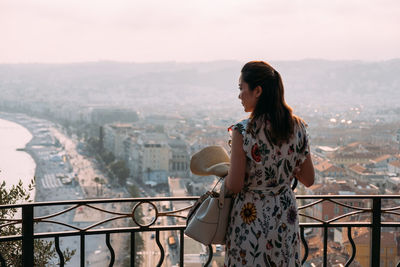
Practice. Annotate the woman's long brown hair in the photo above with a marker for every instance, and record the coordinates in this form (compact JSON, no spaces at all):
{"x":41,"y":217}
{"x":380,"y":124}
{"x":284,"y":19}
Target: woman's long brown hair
{"x":271,"y":104}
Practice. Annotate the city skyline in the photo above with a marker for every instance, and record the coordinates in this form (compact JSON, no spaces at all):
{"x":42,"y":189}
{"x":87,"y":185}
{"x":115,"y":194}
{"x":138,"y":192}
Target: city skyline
{"x":104,"y":144}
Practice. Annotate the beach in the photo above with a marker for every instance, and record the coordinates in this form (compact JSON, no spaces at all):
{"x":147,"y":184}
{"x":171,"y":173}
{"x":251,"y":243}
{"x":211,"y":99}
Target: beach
{"x":15,"y":164}
{"x":63,"y":173}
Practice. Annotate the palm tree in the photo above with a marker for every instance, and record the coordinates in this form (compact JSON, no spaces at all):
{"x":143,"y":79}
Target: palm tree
{"x":101,"y":182}
{"x":97,"y":181}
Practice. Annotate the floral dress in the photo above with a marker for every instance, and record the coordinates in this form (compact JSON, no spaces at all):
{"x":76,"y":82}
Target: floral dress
{"x":263,"y":227}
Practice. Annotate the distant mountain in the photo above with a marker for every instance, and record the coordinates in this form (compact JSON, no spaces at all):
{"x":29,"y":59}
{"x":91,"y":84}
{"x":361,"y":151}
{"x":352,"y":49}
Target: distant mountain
{"x":330,"y":84}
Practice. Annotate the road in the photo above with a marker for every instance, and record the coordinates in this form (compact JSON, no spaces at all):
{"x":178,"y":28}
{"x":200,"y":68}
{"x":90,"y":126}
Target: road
{"x":86,"y":169}
{"x":96,"y":252}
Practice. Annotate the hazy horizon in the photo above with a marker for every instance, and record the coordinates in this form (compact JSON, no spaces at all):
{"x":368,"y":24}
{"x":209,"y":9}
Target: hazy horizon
{"x":200,"y":62}
{"x":179,"y":31}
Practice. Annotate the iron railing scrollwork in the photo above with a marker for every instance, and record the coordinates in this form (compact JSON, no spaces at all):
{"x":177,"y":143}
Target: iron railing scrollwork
{"x":371,"y":216}
{"x":372,"y":219}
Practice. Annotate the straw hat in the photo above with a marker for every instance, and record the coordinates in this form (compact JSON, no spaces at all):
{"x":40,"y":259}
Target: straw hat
{"x":212,"y":160}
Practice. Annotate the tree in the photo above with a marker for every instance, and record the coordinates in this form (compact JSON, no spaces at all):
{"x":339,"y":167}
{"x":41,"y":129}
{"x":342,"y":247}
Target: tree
{"x":45,"y":253}
{"x":107,"y":157}
{"x":98,"y":181}
{"x":120,"y":169}
{"x":94,"y":145}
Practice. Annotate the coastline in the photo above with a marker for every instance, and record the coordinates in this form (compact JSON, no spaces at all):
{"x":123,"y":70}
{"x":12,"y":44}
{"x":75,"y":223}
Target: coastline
{"x":38,"y":171}
{"x":57,"y":157}
{"x":17,"y":164}
{"x":33,"y":147}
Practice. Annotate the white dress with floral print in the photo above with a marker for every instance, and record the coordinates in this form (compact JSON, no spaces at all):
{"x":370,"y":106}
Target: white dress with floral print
{"x":263,"y":228}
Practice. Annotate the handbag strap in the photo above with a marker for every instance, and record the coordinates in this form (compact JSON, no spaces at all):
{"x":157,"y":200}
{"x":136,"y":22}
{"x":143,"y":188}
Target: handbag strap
{"x":221,"y":197}
{"x":219,"y":180}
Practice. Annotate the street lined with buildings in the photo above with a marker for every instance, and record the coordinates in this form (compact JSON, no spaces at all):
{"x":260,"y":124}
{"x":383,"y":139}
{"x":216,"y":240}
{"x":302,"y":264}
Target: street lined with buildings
{"x":158,"y":160}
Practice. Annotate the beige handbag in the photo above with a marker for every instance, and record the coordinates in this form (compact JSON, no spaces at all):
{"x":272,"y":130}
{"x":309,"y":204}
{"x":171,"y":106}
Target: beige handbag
{"x":208,"y":219}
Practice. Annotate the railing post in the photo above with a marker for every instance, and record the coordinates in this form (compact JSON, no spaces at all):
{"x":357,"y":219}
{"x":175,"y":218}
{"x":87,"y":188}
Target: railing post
{"x":27,"y":236}
{"x":133,"y":249}
{"x":325,"y":260}
{"x":82,"y":250}
{"x":376,"y":232}
{"x":181,"y":248}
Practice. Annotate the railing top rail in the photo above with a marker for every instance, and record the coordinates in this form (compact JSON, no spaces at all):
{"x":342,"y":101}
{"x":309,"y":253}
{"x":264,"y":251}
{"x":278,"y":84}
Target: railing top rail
{"x":347,"y":196}
{"x":185,"y":198}
{"x":98,"y":201}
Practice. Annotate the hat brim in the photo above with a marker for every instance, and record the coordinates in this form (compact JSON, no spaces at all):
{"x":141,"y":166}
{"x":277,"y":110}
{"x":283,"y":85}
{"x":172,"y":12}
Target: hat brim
{"x":220,"y":169}
{"x":212,"y":160}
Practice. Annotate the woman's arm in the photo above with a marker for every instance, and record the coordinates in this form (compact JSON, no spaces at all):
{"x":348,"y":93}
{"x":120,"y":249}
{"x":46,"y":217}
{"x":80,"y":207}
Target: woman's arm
{"x":234,"y":181}
{"x":306,"y":174}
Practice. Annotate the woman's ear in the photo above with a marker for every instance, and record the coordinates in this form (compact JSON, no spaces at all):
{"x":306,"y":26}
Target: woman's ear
{"x":258,"y":91}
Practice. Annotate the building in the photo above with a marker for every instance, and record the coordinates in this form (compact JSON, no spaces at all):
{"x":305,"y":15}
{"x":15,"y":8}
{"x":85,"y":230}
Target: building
{"x":135,"y":156}
{"x":155,"y":157}
{"x":154,"y":178}
{"x":381,"y":163}
{"x":114,"y":138}
{"x":325,"y":150}
{"x":363,"y":174}
{"x":357,"y":171}
{"x":328,"y":210}
{"x":398,"y":138}
{"x":394,"y":167}
{"x":390,"y":247}
{"x":327,"y":169}
{"x":105,"y":115}
{"x":357,"y":153}
{"x":352,"y":158}
{"x":180,"y":158}
{"x":393,"y":185}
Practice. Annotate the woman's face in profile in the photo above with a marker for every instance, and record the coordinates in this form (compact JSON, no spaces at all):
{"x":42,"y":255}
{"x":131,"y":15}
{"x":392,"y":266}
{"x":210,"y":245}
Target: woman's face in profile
{"x":247,"y":96}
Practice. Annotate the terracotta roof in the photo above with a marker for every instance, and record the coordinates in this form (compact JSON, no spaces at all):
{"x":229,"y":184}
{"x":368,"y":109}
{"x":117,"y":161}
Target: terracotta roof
{"x":335,"y":169}
{"x":327,"y":167}
{"x":316,"y":247}
{"x":323,"y":166}
{"x":366,"y":155}
{"x":357,"y":168}
{"x":381,"y":158}
{"x":354,"y":144}
{"x":316,"y":160}
{"x":395,"y":163}
{"x":336,"y":186}
{"x":361,"y":235}
{"x":328,"y":189}
{"x":315,"y":186}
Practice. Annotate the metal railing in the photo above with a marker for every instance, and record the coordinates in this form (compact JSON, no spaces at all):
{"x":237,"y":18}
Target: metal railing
{"x":372,"y":215}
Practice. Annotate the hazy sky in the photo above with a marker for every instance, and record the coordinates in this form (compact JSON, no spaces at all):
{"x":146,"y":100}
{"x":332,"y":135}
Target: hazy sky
{"x":197,"y":30}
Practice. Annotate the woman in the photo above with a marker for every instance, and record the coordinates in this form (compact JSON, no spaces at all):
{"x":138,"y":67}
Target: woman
{"x":269,"y":149}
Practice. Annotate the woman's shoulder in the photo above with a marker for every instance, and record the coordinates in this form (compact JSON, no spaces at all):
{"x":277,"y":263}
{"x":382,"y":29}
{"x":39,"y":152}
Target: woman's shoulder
{"x":240,"y":126}
{"x":299,"y":123}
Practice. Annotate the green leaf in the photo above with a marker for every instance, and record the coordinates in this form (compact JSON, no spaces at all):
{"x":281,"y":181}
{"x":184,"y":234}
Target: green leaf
{"x":45,"y":252}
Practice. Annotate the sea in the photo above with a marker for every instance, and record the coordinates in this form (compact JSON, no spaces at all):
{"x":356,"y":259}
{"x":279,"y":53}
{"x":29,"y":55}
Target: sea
{"x":15,"y":164}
